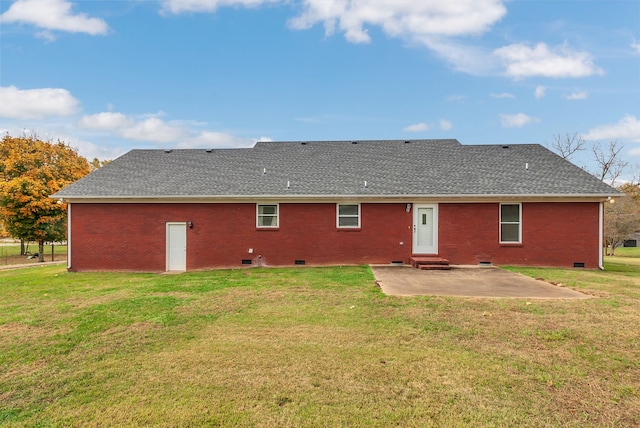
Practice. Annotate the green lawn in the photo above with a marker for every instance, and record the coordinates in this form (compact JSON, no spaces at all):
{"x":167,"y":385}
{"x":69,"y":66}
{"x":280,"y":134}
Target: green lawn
{"x":312,"y":347}
{"x":628,"y":252}
{"x":10,"y":253}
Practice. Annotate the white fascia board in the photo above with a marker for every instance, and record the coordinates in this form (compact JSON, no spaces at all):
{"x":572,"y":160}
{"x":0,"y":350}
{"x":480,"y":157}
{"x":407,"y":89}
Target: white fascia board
{"x":339,"y":198}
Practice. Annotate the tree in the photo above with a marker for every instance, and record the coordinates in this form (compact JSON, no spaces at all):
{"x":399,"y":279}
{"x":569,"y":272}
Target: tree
{"x":97,"y":163}
{"x":620,"y":222}
{"x":567,"y":145}
{"x":30,"y":171}
{"x":609,"y":161}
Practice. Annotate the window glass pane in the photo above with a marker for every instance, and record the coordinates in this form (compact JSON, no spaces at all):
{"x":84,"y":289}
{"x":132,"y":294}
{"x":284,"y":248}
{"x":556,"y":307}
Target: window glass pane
{"x":348,"y":221}
{"x":267,"y":221}
{"x":267,"y":209}
{"x":510,"y":233}
{"x":348,"y":209}
{"x":267,"y":215}
{"x":510,"y":213}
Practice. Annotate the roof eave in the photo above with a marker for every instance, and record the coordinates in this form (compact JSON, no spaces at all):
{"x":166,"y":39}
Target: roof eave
{"x":576,"y":197}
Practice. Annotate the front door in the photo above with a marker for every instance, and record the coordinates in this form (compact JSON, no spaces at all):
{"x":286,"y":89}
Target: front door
{"x":425,"y":229}
{"x":176,"y":247}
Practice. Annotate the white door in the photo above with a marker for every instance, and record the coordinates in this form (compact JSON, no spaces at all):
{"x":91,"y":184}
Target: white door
{"x":425,"y":229}
{"x":176,"y":247}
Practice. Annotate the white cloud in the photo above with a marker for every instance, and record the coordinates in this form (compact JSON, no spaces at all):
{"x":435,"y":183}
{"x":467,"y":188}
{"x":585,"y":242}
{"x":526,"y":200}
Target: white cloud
{"x":53,"y":15}
{"x":213,"y":139}
{"x":445,"y":125}
{"x":503,"y":95}
{"x":636,"y":46}
{"x":180,"y":6}
{"x":400,"y":18}
{"x":264,"y":139}
{"x":540,"y":91}
{"x":36,"y":103}
{"x":522,"y":61}
{"x":150,"y":128}
{"x":516,"y":120}
{"x":577,"y":95}
{"x":456,"y":98}
{"x":414,"y":20}
{"x":417,"y":127}
{"x":154,"y":130}
{"x":627,"y":128}
{"x":105,"y":121}
{"x":462,"y":57}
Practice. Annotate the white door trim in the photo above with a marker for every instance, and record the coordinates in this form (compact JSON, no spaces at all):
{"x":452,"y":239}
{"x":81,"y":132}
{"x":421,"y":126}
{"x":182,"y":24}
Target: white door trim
{"x":433,"y":249}
{"x":177,"y":263}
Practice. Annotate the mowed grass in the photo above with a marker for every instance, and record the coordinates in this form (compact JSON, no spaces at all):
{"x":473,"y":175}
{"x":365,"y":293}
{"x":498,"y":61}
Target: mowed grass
{"x":628,"y":252}
{"x":10,"y":253}
{"x":312,"y":347}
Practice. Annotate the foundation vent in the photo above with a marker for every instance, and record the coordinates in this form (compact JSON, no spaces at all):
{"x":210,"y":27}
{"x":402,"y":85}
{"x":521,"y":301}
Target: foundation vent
{"x":578,"y":264}
{"x":246,"y":261}
{"x":300,"y":262}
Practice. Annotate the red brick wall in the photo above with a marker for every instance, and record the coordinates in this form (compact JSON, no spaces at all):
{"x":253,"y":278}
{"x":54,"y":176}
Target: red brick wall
{"x":553,"y":234}
{"x":133,"y":236}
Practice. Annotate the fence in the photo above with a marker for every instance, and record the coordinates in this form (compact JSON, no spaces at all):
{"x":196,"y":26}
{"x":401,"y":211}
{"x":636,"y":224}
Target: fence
{"x":10,"y":252}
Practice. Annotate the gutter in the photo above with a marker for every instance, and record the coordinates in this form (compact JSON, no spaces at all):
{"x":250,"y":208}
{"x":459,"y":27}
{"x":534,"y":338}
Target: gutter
{"x":337,"y":198}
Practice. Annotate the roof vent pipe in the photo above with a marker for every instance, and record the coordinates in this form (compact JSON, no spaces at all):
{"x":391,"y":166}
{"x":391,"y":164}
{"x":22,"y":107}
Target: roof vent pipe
{"x":167,"y":150}
{"x":365,"y":184}
{"x":288,"y":185}
{"x":264,"y":171}
{"x":526,"y":165}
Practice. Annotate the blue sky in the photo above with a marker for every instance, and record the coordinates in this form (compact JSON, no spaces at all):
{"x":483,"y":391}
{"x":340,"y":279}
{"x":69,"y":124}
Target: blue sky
{"x":109,"y":76}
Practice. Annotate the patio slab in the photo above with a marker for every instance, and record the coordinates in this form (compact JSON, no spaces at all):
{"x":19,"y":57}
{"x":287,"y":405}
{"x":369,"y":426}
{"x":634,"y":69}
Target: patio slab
{"x":467,"y":282}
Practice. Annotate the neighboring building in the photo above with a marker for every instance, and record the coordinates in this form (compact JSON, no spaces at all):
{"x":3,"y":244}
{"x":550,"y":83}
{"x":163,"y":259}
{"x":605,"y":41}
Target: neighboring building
{"x":633,"y":240}
{"x":346,"y":202}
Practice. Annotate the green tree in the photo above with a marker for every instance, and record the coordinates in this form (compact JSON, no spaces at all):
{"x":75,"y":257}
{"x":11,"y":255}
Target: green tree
{"x":30,"y":171}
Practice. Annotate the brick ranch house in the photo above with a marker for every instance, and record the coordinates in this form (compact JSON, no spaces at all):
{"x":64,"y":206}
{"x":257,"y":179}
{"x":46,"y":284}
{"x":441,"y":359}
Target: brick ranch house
{"x":338,"y":202}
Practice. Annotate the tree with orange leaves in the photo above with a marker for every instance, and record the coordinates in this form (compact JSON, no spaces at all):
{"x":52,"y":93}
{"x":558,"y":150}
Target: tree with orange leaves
{"x":30,"y":171}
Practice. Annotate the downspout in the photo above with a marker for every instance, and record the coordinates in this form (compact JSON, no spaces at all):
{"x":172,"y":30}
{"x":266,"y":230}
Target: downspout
{"x":68,"y":236}
{"x":601,"y":236}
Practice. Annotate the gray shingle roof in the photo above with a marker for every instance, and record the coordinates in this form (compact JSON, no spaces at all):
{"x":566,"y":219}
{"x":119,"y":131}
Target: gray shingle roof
{"x":340,"y":168}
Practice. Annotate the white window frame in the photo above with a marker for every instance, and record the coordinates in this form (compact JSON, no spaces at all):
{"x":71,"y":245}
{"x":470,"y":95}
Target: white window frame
{"x":338,"y":216}
{"x":519,"y":222}
{"x":258,"y":215}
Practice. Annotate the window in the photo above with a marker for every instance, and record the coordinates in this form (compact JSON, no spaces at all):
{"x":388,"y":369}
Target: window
{"x":510,"y":223}
{"x":267,"y":215}
{"x":348,"y":215}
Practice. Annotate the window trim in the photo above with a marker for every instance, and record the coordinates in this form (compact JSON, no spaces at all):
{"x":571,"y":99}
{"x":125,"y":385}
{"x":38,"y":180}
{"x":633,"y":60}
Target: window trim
{"x":519,"y":222}
{"x":258,"y":215}
{"x":338,"y":216}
